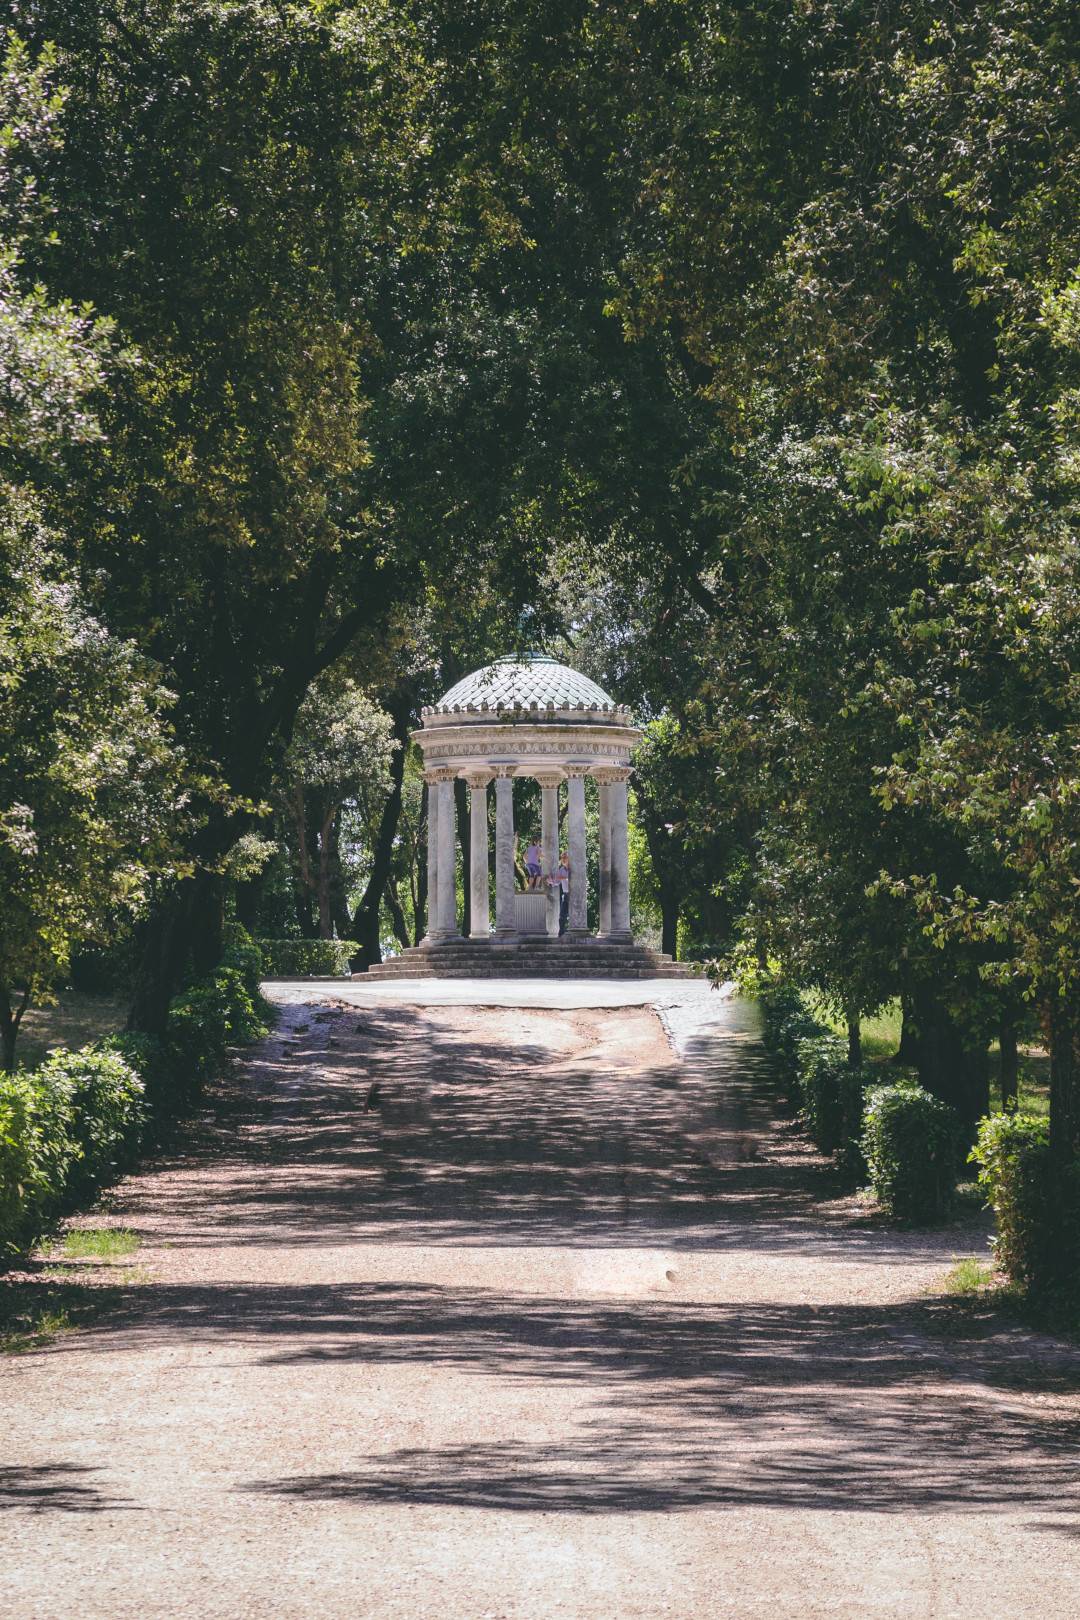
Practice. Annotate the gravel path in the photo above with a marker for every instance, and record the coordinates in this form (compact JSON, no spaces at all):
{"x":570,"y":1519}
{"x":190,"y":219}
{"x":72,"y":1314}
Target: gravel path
{"x":530,"y":1311}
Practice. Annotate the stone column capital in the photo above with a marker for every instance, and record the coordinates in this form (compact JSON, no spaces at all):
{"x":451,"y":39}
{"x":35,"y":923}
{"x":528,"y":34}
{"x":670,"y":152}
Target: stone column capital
{"x":440,"y":773}
{"x":478,"y":779}
{"x":577,"y":768}
{"x":501,"y":771}
{"x":548,"y":777}
{"x":611,"y":775}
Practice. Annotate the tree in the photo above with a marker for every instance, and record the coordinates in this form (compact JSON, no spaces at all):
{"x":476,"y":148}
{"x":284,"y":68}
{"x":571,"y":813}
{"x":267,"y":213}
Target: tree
{"x":339,"y":758}
{"x":89,"y":782}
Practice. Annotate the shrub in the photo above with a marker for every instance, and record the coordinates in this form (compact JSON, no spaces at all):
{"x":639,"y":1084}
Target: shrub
{"x":1036,"y":1202}
{"x":152,"y":1061}
{"x":786,"y":1022}
{"x":832,"y":1099}
{"x":105,"y":1098}
{"x":211,"y":1016}
{"x":301,"y":958}
{"x":24,"y":1182}
{"x":64,"y":1129}
{"x":912,"y":1145}
{"x":242,"y":953}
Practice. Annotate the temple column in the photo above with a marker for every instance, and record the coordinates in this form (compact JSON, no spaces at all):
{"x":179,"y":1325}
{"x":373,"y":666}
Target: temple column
{"x":479,"y":896}
{"x":614,"y":852}
{"x":604,"y":873}
{"x":549,"y":839}
{"x":430,"y":933}
{"x":446,"y":909}
{"x":505,"y":921}
{"x":577,"y":925}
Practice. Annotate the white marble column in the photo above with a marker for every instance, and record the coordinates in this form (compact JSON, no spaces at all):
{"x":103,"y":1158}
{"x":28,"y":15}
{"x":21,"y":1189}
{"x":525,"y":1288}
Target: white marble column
{"x":549,"y":839}
{"x":431,"y":932}
{"x":446,"y":909}
{"x":620,"y":859}
{"x":614,"y":853}
{"x":505,"y":921}
{"x":604,"y":876}
{"x":577,"y":925}
{"x":479,"y":898}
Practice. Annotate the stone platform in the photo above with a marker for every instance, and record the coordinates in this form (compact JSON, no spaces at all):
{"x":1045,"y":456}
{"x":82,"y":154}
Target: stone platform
{"x":533,"y":957}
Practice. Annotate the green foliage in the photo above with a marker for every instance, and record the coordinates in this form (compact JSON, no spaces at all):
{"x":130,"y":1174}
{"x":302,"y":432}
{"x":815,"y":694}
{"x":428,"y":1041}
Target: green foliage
{"x":1036,"y":1200}
{"x":912,"y":1146}
{"x":64,"y":1129}
{"x":151,"y":1059}
{"x":104,"y":1097}
{"x":307,"y":958}
{"x":832,"y":1099}
{"x":785,"y":1024}
{"x":240,"y":951}
{"x":210,"y":1017}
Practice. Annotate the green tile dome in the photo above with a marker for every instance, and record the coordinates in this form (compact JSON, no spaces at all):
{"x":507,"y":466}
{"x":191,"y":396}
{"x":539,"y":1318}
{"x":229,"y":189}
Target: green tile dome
{"x":521,"y":683}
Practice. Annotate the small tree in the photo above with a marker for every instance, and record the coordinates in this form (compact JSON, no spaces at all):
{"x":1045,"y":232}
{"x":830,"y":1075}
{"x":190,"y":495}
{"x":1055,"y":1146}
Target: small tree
{"x":88,"y":775}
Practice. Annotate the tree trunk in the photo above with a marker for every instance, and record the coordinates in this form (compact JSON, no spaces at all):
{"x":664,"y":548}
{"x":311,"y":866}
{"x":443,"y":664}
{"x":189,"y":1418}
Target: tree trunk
{"x":854,"y":1039}
{"x":339,"y":900}
{"x":162,"y":957}
{"x":954,"y":1071}
{"x":669,"y":920}
{"x":326,"y":921}
{"x":1064,"y":1081}
{"x":249,"y":902}
{"x":397,"y":916}
{"x":10,"y":1019}
{"x":1010,"y":1066}
{"x":365,"y":924}
{"x":907,"y":1052}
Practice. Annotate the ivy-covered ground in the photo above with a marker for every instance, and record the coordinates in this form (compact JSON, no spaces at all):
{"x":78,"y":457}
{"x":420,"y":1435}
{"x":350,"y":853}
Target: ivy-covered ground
{"x":523,"y":1311}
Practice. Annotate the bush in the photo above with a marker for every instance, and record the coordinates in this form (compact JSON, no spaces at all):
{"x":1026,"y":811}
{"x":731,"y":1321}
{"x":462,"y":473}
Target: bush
{"x":211,"y":1016}
{"x":65,"y":1128}
{"x":1036,"y":1202}
{"x":786,"y":1022}
{"x":912,"y":1145}
{"x":24,"y":1160}
{"x":242,"y":953}
{"x":302,"y":958}
{"x":152,"y":1060}
{"x":832,"y":1099}
{"x":105,"y":1098}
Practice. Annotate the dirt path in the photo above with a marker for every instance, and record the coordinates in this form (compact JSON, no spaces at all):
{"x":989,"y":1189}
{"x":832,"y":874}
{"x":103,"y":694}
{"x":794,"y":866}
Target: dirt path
{"x":490,"y":1312}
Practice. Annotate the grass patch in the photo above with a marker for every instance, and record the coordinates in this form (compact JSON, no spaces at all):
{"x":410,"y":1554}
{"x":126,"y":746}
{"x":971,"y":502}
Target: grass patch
{"x":880,"y":1034}
{"x":39,"y":1328}
{"x":969,"y":1276}
{"x":98,"y":1243}
{"x":78,"y":1018}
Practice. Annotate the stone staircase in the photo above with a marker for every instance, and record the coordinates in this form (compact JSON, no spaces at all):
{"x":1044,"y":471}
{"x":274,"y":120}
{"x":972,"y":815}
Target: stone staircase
{"x":532,"y":957}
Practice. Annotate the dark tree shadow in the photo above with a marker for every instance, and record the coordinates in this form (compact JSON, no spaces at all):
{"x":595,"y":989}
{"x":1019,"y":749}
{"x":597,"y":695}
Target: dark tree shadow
{"x":57,"y":1488}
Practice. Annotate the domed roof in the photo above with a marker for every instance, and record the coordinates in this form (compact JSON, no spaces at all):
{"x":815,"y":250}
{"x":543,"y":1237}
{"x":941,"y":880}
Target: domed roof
{"x":535,"y":679}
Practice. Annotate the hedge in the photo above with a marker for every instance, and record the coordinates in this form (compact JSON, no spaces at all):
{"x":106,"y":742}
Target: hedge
{"x":785,"y":1023}
{"x":76,"y":1122}
{"x":307,"y":958}
{"x":912,"y":1145}
{"x":833,"y":1093}
{"x":1036,"y":1201}
{"x":65,"y":1128}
